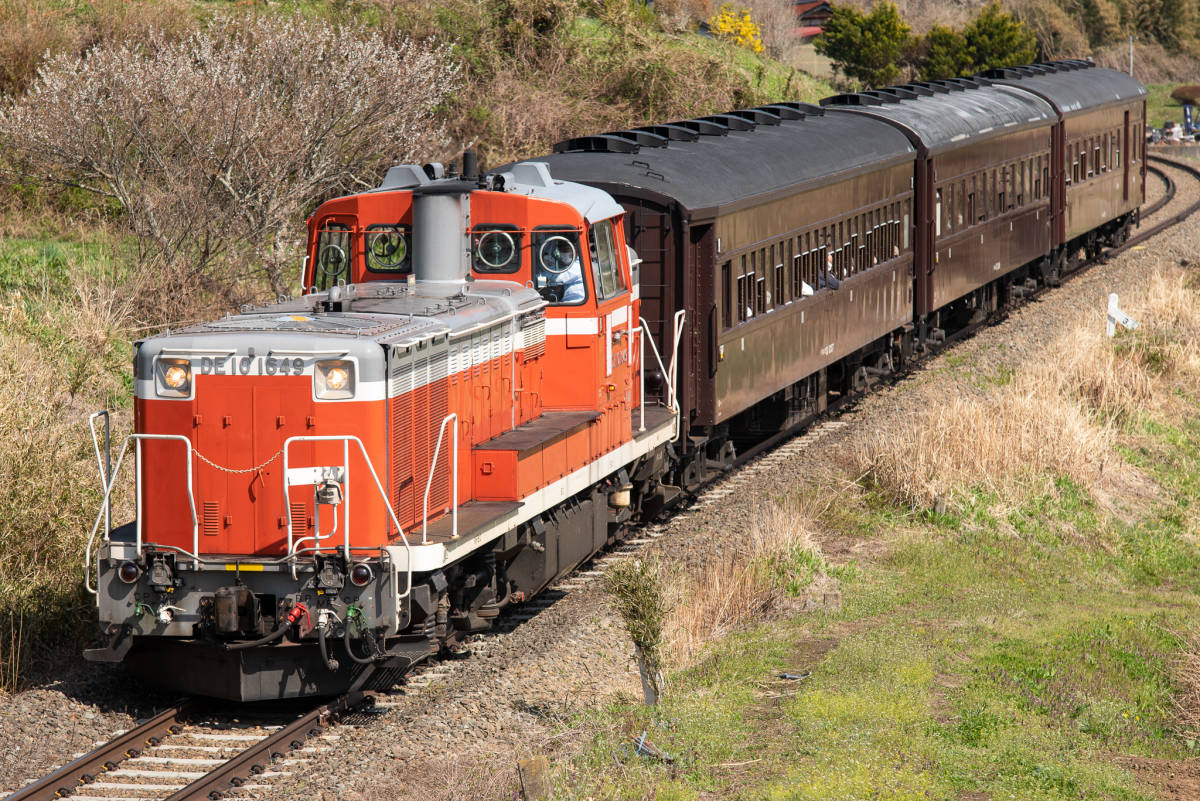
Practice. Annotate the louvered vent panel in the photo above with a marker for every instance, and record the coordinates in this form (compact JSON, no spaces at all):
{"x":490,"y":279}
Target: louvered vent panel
{"x":299,"y":519}
{"x":418,"y":432}
{"x":212,"y":518}
{"x":400,"y":470}
{"x":439,"y":407}
{"x":533,"y":339}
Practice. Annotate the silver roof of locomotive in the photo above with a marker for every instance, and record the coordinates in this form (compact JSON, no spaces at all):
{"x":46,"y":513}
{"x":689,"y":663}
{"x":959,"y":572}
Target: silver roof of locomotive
{"x":379,"y":313}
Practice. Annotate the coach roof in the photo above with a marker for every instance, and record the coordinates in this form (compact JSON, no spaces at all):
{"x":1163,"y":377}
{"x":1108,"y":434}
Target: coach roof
{"x":943,"y":114}
{"x":1071,"y":85}
{"x":725,"y":162}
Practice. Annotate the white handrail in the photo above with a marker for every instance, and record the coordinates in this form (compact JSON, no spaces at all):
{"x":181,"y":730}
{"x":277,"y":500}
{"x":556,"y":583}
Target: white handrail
{"x":137,"y":438}
{"x":104,"y":465}
{"x":345,"y":439}
{"x":453,"y":481}
{"x":669,"y":373}
{"x":318,"y":537}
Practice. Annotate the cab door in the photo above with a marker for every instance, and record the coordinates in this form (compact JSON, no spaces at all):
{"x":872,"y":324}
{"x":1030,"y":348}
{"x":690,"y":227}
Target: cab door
{"x":617,"y":318}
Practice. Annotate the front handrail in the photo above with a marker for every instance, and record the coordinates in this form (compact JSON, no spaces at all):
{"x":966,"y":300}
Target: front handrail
{"x":345,"y":440}
{"x":108,"y":488}
{"x":103,"y":464}
{"x":453,"y":482}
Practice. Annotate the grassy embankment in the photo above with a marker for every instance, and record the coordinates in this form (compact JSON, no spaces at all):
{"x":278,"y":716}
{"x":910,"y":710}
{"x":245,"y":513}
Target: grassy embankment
{"x":1036,"y":640}
{"x":1160,"y":107}
{"x":68,"y":265}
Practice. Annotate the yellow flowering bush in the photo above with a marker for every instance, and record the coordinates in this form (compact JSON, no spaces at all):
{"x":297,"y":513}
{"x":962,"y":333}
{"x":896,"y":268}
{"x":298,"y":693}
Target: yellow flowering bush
{"x":734,"y":24}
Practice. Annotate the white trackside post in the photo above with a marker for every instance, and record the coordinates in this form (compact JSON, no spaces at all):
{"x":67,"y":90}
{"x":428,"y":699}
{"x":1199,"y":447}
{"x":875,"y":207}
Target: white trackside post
{"x":1116,"y":316}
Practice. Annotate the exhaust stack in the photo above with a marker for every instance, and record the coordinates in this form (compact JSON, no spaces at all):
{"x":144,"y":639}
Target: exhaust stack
{"x":441,"y":233}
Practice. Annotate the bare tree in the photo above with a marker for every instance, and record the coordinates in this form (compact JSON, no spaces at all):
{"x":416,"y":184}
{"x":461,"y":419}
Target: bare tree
{"x":216,"y":145}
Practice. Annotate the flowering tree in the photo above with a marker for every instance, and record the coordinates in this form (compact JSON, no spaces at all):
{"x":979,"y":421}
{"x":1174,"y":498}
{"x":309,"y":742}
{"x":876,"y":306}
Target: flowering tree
{"x":735,"y":25}
{"x":216,"y":145}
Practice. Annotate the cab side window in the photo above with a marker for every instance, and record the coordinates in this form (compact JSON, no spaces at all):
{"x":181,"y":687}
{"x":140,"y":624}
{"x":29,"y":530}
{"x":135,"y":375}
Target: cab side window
{"x":557,"y":268}
{"x":333,"y":256}
{"x":605,"y":267}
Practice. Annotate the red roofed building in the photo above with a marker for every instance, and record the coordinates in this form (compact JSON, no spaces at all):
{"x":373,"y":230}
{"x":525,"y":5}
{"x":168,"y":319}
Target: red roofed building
{"x":811,"y":16}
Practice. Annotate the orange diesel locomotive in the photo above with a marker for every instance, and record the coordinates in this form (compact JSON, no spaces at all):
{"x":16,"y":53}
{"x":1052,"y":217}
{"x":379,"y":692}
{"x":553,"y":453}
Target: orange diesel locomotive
{"x":334,"y":487}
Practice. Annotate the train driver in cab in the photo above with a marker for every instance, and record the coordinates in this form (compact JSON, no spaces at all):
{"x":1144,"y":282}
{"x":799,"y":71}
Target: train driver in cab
{"x":559,"y":272}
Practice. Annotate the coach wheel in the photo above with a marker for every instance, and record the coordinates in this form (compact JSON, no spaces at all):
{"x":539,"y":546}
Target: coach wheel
{"x":727,"y":453}
{"x":859,"y":381}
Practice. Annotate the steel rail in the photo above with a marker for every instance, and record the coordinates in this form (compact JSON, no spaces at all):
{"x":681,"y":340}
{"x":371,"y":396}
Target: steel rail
{"x":1158,"y":228}
{"x":257,"y":757}
{"x":67,"y":779}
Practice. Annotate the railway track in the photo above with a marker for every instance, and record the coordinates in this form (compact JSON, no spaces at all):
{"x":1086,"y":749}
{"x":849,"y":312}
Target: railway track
{"x":193,"y":751}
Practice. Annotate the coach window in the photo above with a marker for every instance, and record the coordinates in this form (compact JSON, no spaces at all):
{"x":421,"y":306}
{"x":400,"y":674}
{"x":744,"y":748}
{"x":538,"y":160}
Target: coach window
{"x":743,"y":298}
{"x":333,"y":256}
{"x":760,"y":294}
{"x":799,"y":269}
{"x":605,"y":268}
{"x":777,"y":270}
{"x":791,"y":264}
{"x":726,"y":295}
{"x":904,"y":225}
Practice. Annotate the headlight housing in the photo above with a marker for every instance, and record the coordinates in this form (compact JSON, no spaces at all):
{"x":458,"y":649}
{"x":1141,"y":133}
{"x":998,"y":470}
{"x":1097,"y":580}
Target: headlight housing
{"x":173,"y":378}
{"x":334,"y":379}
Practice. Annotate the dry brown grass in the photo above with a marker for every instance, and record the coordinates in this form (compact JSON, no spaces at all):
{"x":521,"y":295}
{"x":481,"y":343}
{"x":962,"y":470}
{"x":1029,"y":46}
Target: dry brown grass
{"x":746,"y":583}
{"x":60,"y":360}
{"x":1185,"y":673}
{"x":1058,"y":416}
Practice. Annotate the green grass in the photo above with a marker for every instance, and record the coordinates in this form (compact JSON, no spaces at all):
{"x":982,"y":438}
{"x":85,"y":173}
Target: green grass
{"x":1014,"y":653}
{"x":1160,"y":107}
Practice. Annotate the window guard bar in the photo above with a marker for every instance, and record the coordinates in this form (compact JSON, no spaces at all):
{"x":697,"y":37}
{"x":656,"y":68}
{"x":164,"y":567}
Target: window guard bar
{"x":453,"y":481}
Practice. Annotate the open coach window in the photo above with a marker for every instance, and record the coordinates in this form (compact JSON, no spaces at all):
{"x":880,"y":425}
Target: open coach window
{"x":605,"y":267}
{"x":388,"y":248}
{"x":333,"y":256}
{"x":496,"y":249}
{"x":557,"y":269}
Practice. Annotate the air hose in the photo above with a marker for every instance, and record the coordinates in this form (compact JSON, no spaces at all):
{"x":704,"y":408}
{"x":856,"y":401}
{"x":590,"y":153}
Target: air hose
{"x":277,"y":634}
{"x":346,"y":642}
{"x":330,"y":662}
{"x":292,"y":618}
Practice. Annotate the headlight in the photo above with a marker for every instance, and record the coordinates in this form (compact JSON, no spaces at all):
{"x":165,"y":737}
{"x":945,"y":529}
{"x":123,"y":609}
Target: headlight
{"x":334,"y":379}
{"x":173,"y":378}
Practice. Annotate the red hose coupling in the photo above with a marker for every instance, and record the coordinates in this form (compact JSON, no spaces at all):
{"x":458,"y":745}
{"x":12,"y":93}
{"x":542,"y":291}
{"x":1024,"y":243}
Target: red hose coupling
{"x":298,"y":611}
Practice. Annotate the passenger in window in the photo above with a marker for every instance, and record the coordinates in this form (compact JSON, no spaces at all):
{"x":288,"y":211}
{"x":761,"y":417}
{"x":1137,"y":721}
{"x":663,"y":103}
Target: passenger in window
{"x":828,"y":278}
